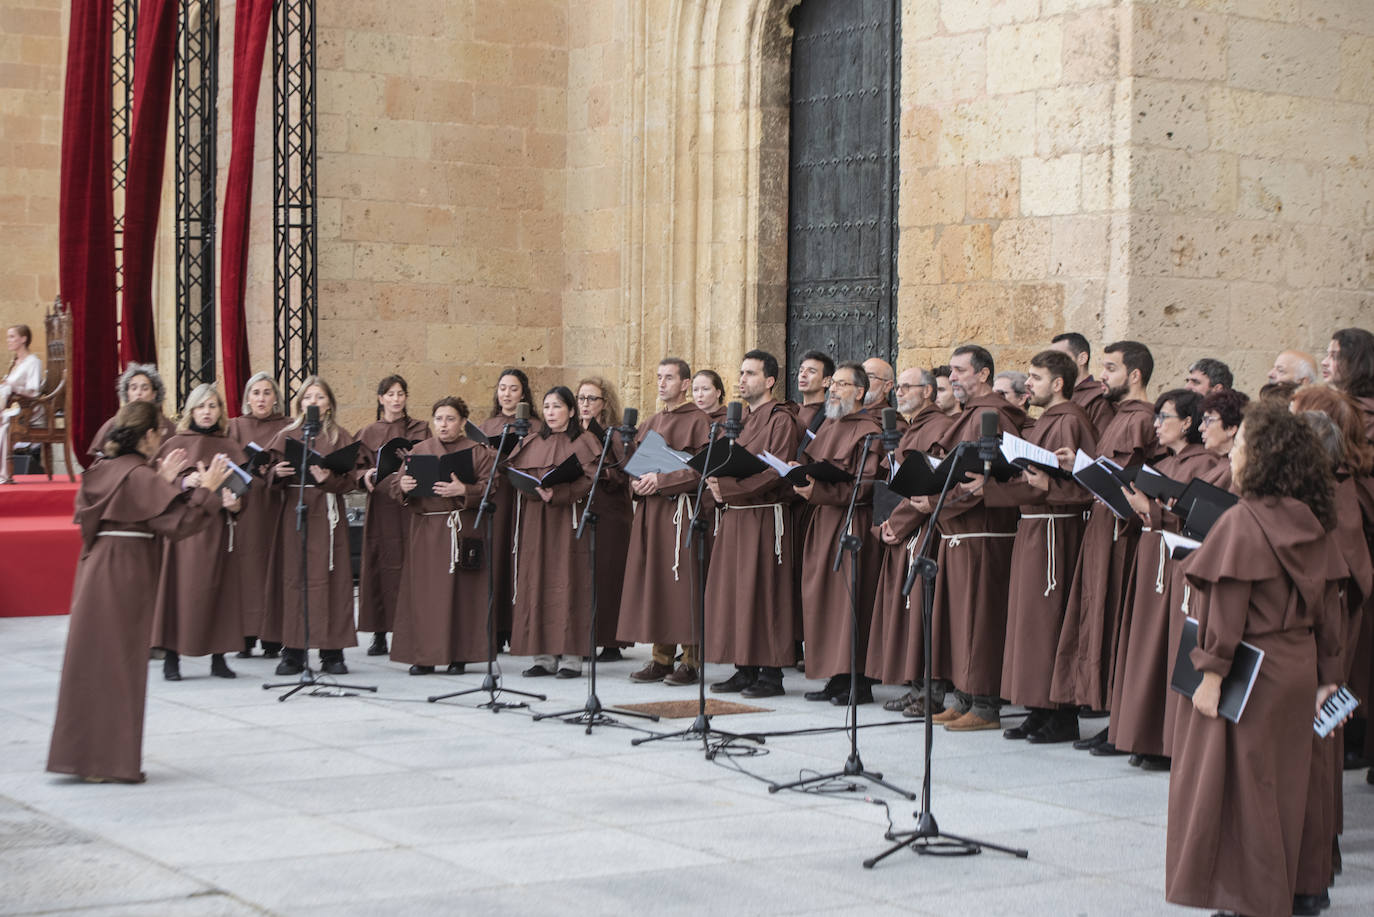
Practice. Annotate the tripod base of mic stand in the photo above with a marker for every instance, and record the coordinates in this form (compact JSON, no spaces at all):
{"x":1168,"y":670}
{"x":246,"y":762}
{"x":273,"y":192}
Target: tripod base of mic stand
{"x":592,"y":713}
{"x":927,"y":839}
{"x":491,"y":684}
{"x":853,"y":767}
{"x":701,"y":728}
{"x":308,"y":680}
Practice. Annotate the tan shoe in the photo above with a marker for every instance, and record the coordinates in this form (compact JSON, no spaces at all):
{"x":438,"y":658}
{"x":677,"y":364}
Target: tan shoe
{"x":948,"y":715}
{"x":972,"y":722}
{"x":652,"y":671}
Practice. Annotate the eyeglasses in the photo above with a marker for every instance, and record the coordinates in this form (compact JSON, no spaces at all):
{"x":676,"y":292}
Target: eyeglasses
{"x":1208,"y":420}
{"x":905,"y":386}
{"x":1162,"y":416}
{"x":589,"y":399}
{"x":840,"y":383}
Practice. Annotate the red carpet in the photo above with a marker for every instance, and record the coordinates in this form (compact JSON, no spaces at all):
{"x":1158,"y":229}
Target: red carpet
{"x":38,"y":546}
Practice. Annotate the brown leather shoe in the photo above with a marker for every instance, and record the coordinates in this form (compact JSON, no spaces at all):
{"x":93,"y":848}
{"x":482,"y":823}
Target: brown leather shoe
{"x":652,"y":671}
{"x":972,"y":722}
{"x":683,"y":675}
{"x":898,"y":704}
{"x":947,"y":715}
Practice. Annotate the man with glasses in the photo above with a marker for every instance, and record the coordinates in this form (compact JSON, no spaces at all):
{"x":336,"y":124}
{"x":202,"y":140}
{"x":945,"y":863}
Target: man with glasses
{"x":826,"y":618}
{"x":656,"y":605}
{"x":880,"y":379}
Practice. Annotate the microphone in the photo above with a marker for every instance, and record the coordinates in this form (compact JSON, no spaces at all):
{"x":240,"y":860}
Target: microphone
{"x":989,"y":440}
{"x":628,"y":428}
{"x":891,"y":436}
{"x":734,"y":424}
{"x":312,"y":420}
{"x":521,"y":427}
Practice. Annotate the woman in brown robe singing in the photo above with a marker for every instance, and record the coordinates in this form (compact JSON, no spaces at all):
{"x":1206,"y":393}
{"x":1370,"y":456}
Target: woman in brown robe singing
{"x":122,"y":508}
{"x":255,"y":535}
{"x":329,"y":578}
{"x":441,"y":611}
{"x":552,"y":613}
{"x":1265,"y":574}
{"x":198,"y":602}
{"x":386,"y":528}
{"x":598,"y":407}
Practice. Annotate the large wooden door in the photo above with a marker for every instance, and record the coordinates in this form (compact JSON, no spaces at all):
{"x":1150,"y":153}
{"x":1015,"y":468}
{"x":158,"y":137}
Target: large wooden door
{"x":841,"y":277}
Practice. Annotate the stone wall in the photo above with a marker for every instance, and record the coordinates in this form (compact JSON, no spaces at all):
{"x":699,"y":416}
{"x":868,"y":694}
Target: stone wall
{"x":32,"y":42}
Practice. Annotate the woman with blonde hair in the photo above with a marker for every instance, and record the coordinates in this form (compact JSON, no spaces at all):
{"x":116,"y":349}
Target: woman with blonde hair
{"x":197,"y":609}
{"x":262,"y":417}
{"x":328,"y":575}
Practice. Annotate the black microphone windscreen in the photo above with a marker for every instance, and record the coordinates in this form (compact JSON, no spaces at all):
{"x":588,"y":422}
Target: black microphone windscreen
{"x":889,"y":419}
{"x":522,"y":411}
{"x":631,"y":417}
{"x":312,"y":414}
{"x":734,"y":411}
{"x":990,"y":426}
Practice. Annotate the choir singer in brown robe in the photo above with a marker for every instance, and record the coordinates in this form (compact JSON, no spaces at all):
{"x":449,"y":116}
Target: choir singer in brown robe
{"x":441,"y":611}
{"x":969,"y":623}
{"x":551,"y":618}
{"x":255,"y":535}
{"x":1044,"y":553}
{"x":598,"y":406}
{"x":386,"y":528}
{"x":749,"y":586}
{"x":1083,"y":658}
{"x":197,"y":610}
{"x":1088,"y":393}
{"x":656,"y":604}
{"x":1266,"y":574}
{"x":138,"y":382}
{"x":827,"y":612}
{"x":328,"y":574}
{"x":123,"y":506}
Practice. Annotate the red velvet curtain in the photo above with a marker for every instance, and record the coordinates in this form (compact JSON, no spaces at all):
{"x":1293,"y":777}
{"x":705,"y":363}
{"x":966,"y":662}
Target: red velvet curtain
{"x":252,"y":19}
{"x":86,"y":218}
{"x":154,"y":57}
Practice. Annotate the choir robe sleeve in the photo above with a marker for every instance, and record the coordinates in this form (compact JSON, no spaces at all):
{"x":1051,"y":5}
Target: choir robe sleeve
{"x":678,"y":482}
{"x":906,"y":519}
{"x":1221,"y":624}
{"x":588,"y":452}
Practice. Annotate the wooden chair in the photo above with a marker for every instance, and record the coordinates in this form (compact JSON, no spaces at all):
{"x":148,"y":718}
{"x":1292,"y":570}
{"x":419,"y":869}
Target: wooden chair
{"x":53,"y":403}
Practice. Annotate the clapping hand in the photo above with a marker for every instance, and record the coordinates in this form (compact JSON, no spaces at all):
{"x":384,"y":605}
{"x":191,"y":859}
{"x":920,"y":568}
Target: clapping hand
{"x":172,"y":464}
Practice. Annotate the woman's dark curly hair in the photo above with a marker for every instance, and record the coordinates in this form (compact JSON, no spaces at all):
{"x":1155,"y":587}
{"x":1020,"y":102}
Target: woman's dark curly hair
{"x":1188,"y":405}
{"x":1228,"y":404}
{"x":1284,"y":458}
{"x":1357,"y":453}
{"x":132,"y":422}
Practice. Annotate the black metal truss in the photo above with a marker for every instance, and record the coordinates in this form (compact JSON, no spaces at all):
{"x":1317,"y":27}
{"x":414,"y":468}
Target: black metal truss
{"x":124,"y":28}
{"x":294,"y":214}
{"x":196,"y":82}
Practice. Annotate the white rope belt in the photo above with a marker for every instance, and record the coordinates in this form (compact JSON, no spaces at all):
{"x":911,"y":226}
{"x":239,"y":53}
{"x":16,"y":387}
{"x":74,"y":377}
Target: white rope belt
{"x":233,"y":524}
{"x":331,"y":503}
{"x":455,"y":526}
{"x":955,"y":540}
{"x":1116,"y":527}
{"x":1051,"y":581}
{"x":1163,"y":557}
{"x":1187,"y":595}
{"x":777,"y":522}
{"x":912,"y":545}
{"x":515,"y":547}
{"x":682,"y":514}
{"x":118,"y":534}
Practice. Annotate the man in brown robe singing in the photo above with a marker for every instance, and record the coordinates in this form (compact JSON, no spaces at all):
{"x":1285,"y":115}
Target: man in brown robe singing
{"x":826,"y":614}
{"x":969,"y":620}
{"x":1088,"y":393}
{"x":749,"y":588}
{"x":1083,"y":660}
{"x":656,"y":604}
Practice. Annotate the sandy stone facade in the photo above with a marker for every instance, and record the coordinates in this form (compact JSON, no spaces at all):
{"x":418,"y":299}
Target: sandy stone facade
{"x":581,"y":186}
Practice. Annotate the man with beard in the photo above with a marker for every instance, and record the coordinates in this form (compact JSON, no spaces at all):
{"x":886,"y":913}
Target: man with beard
{"x":969,"y":621}
{"x":1208,"y":375}
{"x":749,"y":587}
{"x":1044,"y":553}
{"x":880,"y":379}
{"x":656,"y":604}
{"x":1089,"y":393}
{"x":1294,"y":366}
{"x":1083,"y":661}
{"x":895,"y":638}
{"x":944,"y":393}
{"x":826,"y":617}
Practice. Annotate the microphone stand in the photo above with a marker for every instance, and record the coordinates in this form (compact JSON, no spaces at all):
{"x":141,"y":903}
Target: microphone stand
{"x":592,"y":713}
{"x":491,"y":682}
{"x":851,"y":543}
{"x":926,"y":837}
{"x":701,"y":726}
{"x":307,"y":678}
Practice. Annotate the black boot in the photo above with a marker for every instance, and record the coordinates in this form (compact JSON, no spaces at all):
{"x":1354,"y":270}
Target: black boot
{"x":171,"y":666}
{"x":247,"y":651}
{"x":378,"y":647}
{"x":292,"y":662}
{"x":744,"y":677}
{"x":767,"y":684}
{"x":271,"y":649}
{"x":219,"y":668}
{"x":332,"y":662}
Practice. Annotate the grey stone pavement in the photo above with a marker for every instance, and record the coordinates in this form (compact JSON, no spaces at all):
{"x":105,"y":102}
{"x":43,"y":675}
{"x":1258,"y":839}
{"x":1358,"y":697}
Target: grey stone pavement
{"x":388,"y":804}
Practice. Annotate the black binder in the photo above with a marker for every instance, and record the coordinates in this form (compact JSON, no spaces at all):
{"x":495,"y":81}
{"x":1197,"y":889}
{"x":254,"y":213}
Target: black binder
{"x":390,"y":457}
{"x":567,"y":471}
{"x":340,"y":461}
{"x":1235,"y":687}
{"x":428,"y":470}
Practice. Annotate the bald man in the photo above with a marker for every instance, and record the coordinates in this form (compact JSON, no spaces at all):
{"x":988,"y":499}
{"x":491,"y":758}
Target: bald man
{"x":1294,"y":366}
{"x":880,"y":380}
